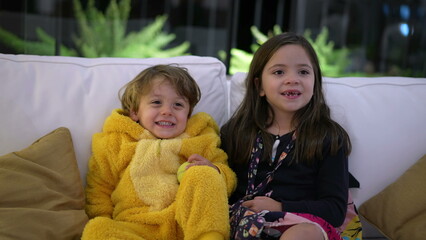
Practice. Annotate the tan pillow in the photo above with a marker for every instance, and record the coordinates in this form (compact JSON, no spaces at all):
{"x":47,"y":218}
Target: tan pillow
{"x":399,"y":211}
{"x":41,"y":191}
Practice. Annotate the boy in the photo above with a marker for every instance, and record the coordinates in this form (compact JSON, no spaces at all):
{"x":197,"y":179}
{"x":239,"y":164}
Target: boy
{"x":132,"y":189}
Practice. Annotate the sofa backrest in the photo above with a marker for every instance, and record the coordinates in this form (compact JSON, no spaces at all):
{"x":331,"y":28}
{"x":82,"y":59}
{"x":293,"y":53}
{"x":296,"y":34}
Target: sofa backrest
{"x":385,"y":118}
{"x":41,"y":93}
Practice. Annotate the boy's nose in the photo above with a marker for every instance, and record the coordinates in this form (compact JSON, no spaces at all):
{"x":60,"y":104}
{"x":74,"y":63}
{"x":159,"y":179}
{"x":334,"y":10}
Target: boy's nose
{"x":166,"y":110}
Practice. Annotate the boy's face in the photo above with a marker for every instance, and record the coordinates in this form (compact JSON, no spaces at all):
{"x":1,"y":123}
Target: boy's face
{"x":162,"y":111}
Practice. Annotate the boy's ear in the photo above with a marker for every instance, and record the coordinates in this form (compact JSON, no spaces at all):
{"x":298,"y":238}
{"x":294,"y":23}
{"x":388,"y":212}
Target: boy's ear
{"x":259,"y":87}
{"x":134,"y":116}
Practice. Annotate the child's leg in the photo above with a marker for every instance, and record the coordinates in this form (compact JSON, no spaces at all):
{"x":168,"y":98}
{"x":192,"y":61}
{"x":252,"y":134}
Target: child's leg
{"x":307,"y":231}
{"x":106,"y":228}
{"x":202,"y":204}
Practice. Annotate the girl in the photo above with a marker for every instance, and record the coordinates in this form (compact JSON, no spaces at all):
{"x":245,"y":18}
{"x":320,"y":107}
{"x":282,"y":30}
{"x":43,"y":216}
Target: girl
{"x":293,"y":180}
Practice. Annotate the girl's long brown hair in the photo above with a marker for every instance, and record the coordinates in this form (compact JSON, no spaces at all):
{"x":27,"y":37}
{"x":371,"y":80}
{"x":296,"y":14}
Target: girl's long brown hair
{"x":312,"y":123}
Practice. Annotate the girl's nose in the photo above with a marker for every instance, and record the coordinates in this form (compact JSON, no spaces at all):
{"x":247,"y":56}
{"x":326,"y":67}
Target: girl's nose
{"x":292,"y":79}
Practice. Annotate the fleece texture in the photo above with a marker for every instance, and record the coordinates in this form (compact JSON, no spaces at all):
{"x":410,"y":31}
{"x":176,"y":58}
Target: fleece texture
{"x":132,"y":190}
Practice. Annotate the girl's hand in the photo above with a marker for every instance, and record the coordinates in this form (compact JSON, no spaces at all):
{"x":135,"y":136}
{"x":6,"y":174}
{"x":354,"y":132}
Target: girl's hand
{"x":261,"y":203}
{"x":197,"y":160}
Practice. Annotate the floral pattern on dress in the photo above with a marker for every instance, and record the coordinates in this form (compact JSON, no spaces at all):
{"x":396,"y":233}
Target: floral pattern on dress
{"x":249,"y":225}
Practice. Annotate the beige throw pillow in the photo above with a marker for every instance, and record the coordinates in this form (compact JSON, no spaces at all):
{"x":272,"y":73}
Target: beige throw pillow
{"x":41,"y":191}
{"x":399,"y":211}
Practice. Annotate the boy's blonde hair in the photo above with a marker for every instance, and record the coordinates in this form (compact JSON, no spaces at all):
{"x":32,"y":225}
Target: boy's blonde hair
{"x":178,"y":77}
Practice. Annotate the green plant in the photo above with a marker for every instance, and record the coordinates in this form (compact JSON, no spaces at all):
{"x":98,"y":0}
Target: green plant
{"x":46,"y":45}
{"x":333,"y":61}
{"x":104,"y":35}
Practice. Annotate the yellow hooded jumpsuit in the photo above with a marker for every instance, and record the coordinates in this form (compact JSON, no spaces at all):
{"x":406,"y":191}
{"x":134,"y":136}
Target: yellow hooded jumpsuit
{"x":132,"y":190}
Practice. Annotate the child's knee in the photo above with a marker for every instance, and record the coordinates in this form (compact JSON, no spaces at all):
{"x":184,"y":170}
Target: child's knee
{"x":303,"y":231}
{"x":202,"y":183}
{"x":202,"y":175}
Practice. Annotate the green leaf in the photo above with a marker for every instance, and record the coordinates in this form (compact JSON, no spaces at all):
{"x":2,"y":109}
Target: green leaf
{"x":44,"y":47}
{"x":333,"y":61}
{"x":260,"y":37}
{"x":105,"y":35}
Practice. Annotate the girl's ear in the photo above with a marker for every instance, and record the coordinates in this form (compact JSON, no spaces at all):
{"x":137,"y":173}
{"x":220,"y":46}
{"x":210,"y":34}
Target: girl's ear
{"x":134,"y":116}
{"x":259,"y":87}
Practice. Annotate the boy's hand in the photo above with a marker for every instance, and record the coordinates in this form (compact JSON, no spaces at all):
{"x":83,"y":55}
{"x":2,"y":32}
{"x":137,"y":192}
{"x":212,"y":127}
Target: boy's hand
{"x":197,"y":160}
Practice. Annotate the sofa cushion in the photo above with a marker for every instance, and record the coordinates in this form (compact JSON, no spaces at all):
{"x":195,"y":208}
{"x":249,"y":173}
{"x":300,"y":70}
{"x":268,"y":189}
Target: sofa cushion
{"x":41,"y":190}
{"x":38,"y":92}
{"x":399,"y":210}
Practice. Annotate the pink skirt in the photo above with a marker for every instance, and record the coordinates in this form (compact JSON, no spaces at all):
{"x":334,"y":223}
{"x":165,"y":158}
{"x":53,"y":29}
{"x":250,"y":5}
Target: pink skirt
{"x":276,"y":228}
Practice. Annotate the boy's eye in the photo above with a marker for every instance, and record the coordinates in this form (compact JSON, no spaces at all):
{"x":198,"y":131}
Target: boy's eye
{"x":178,"y":104}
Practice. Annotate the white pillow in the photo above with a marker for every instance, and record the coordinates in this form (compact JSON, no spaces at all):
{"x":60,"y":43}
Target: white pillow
{"x":237,"y":91}
{"x":41,"y":93}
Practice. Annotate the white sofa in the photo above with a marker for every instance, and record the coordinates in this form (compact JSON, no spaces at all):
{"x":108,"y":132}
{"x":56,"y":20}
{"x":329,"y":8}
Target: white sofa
{"x":384,"y":116}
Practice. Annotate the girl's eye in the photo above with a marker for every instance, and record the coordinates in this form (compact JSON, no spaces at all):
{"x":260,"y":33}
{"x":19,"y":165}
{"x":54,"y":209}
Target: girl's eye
{"x":304,"y":72}
{"x":155,"y":102}
{"x":278,"y":72}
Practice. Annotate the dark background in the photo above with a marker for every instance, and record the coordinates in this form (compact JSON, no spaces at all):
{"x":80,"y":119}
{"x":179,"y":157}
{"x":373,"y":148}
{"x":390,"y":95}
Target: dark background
{"x":386,"y":37}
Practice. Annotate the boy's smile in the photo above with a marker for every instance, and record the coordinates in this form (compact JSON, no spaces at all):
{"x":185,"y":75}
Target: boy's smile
{"x":162,"y":111}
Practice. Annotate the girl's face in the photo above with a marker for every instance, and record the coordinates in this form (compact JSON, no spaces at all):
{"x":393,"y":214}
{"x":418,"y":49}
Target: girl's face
{"x":288,"y":80}
{"x":162,"y":111}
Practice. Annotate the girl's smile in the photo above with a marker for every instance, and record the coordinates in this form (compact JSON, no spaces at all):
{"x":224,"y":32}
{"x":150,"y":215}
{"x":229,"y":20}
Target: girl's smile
{"x":291,"y":94}
{"x":288,"y":80}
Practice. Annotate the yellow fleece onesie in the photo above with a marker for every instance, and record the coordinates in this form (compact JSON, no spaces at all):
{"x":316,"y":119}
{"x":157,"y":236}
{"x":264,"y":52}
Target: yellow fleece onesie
{"x":132,"y":190}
